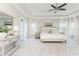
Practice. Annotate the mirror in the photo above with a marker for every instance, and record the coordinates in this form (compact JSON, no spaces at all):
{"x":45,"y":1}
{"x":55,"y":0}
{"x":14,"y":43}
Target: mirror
{"x":6,"y":21}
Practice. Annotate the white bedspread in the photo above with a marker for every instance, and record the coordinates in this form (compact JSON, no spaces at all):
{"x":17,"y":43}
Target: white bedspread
{"x":52,"y":37}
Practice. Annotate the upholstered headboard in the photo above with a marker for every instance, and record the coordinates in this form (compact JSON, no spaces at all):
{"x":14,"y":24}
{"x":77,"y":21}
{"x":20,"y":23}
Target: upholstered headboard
{"x":48,"y":30}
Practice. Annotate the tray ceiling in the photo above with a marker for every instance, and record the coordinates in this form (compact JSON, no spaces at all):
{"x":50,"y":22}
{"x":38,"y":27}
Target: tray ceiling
{"x":41,"y":9}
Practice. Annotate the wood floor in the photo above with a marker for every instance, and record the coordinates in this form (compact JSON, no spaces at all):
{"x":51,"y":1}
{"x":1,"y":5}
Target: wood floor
{"x":34,"y":47}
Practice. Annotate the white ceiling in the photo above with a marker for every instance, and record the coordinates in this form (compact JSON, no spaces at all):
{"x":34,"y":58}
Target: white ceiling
{"x":41,"y":9}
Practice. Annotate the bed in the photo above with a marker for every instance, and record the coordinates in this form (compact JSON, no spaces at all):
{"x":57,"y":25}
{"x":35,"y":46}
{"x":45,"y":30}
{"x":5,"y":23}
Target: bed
{"x":50,"y":34}
{"x":54,"y":37}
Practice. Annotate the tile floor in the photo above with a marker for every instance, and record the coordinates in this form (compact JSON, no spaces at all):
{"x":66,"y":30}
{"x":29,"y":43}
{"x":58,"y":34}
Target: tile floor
{"x":34,"y":47}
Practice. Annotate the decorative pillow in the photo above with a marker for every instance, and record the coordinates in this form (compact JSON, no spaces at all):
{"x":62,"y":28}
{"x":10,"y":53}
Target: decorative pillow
{"x":2,"y":35}
{"x":10,"y":33}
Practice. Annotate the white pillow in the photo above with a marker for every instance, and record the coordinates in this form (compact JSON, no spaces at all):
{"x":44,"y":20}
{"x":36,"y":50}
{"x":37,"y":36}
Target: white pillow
{"x":11,"y":33}
{"x":2,"y":35}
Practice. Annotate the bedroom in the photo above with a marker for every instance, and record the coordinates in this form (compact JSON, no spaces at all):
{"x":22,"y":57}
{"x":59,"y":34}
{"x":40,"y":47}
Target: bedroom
{"x":43,"y":29}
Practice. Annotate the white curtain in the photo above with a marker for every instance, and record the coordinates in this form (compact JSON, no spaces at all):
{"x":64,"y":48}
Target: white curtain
{"x":23,"y":29}
{"x":63,"y":26}
{"x":72,"y":31}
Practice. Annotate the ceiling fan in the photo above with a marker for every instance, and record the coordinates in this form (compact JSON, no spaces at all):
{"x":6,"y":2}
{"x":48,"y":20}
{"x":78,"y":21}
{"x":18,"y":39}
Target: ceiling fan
{"x":56,"y":8}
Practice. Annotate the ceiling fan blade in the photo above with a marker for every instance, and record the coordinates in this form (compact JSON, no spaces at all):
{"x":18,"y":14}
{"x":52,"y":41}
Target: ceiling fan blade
{"x":62,"y":5}
{"x":53,"y":6}
{"x":62,"y":9}
{"x":51,"y":10}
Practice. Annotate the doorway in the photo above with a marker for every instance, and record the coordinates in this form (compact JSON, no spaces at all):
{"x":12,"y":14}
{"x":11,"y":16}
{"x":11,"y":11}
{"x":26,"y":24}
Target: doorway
{"x":23,"y":29}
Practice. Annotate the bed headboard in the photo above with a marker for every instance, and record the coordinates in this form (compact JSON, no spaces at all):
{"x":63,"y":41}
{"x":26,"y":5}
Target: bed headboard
{"x":48,"y":30}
